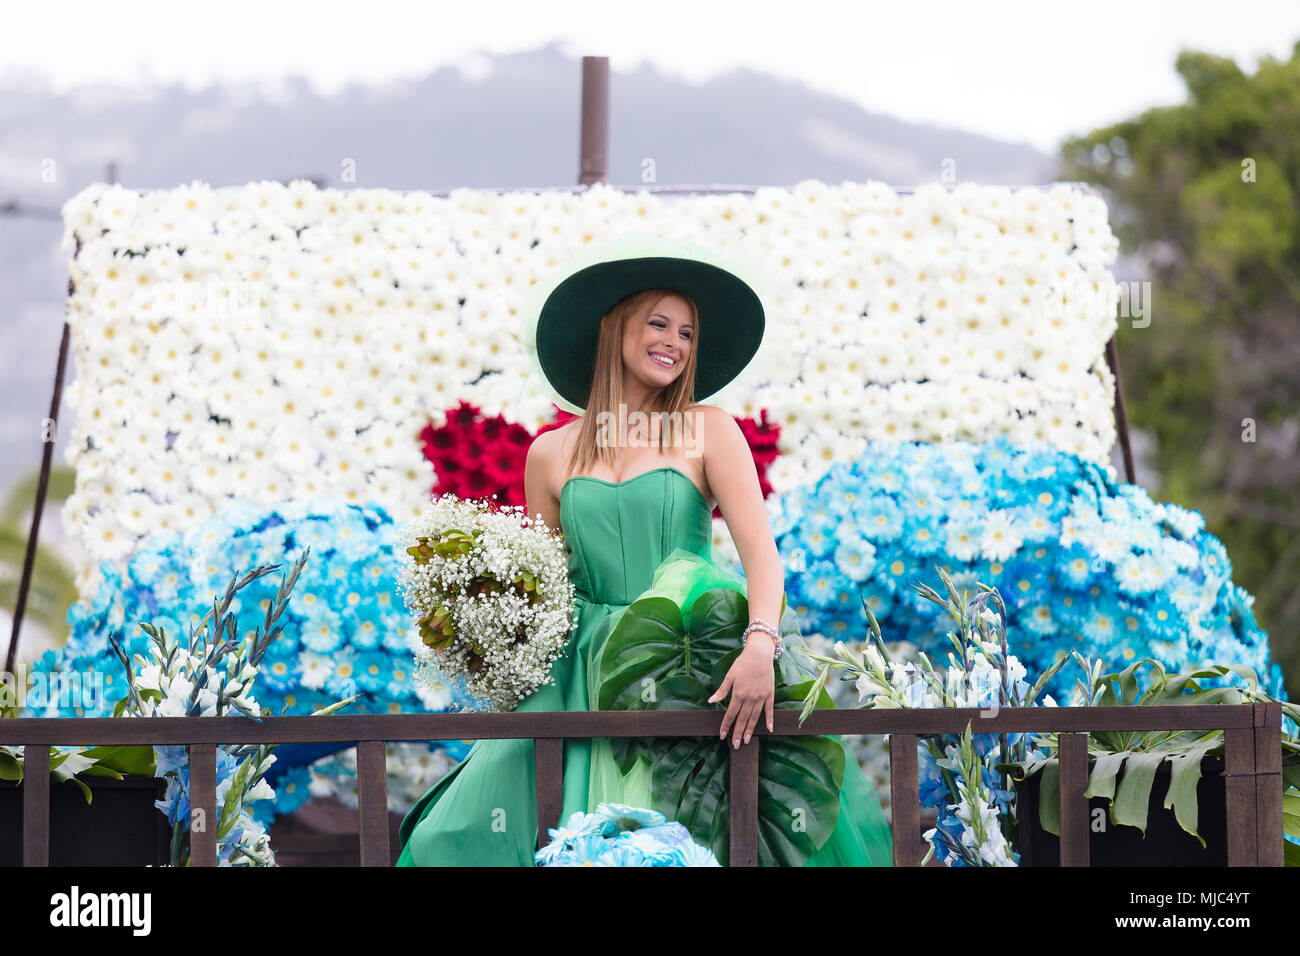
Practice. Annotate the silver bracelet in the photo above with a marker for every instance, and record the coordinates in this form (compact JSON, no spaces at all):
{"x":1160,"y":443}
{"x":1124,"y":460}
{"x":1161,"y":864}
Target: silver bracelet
{"x":764,"y":627}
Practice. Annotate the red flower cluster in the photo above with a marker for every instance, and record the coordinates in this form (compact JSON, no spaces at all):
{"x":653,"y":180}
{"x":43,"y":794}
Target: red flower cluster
{"x":762,"y":437}
{"x":475,"y":456}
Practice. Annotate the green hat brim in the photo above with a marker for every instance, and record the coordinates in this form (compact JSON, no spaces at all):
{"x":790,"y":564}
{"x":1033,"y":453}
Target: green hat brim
{"x":568,"y":323}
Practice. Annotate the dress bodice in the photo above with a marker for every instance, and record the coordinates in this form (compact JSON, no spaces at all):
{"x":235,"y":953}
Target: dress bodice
{"x":617,"y":532}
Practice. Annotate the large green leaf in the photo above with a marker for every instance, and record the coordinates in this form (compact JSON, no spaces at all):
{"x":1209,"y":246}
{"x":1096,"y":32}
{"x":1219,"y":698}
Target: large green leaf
{"x":11,"y":765}
{"x":652,"y":643}
{"x":135,"y":759}
{"x":1101,"y":782}
{"x":1185,"y":774}
{"x":1133,"y":797}
{"x":659,"y":658}
{"x":62,"y":777}
{"x":1049,"y":797}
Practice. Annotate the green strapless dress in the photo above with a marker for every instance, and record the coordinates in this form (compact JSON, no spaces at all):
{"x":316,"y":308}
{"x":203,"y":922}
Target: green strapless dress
{"x":483,"y":812}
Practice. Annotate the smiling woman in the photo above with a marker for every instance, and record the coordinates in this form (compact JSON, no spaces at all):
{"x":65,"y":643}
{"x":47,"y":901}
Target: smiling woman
{"x":681,"y":327}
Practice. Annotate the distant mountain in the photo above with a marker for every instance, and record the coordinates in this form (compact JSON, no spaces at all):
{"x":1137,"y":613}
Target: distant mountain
{"x":515,"y":125}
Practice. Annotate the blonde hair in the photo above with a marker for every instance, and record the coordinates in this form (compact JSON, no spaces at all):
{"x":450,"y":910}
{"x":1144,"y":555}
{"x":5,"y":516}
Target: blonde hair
{"x":606,"y":392}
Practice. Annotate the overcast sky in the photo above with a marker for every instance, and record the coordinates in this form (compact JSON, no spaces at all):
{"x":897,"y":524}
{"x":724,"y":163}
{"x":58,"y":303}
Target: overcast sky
{"x":1015,"y":69}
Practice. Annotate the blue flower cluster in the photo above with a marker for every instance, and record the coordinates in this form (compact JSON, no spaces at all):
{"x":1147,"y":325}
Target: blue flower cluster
{"x":618,"y":835}
{"x":344,"y":632}
{"x":1081,"y":560}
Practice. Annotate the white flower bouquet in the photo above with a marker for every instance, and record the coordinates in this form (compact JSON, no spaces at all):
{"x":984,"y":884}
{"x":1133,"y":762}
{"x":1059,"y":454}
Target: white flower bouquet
{"x":490,"y":592}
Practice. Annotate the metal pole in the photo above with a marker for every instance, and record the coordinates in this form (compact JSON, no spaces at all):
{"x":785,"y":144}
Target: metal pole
{"x":1121,"y":418}
{"x":594,"y":148}
{"x":43,"y":485}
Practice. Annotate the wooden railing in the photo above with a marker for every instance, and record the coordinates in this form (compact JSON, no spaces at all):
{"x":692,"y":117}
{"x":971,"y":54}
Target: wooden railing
{"x":1252,"y":751}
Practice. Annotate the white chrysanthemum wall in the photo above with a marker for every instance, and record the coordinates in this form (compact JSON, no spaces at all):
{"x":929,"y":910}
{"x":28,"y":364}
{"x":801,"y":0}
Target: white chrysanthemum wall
{"x":277,"y":342}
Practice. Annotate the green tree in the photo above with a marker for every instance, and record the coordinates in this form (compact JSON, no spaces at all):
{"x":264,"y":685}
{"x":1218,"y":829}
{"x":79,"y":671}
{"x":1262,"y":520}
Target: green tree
{"x":1203,"y":194}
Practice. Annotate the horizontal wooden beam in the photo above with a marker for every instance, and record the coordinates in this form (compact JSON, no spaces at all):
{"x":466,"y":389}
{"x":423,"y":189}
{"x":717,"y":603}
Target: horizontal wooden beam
{"x":587,"y":724}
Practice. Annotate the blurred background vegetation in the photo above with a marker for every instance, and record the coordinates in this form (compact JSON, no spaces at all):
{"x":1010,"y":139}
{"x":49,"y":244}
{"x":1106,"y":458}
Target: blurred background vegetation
{"x":1203,"y":194}
{"x":54,"y":587}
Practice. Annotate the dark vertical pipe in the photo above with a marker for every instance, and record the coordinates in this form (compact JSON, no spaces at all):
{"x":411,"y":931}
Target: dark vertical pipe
{"x":594,"y":149}
{"x":42,"y":487}
{"x":1121,"y":417}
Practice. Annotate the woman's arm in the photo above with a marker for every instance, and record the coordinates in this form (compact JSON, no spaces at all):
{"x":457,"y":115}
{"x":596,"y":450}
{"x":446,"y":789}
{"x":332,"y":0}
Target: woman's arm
{"x":733,"y":479}
{"x":537,"y":476}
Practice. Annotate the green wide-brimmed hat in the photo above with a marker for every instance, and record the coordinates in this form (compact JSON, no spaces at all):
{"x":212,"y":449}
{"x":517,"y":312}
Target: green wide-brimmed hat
{"x":564,"y":309}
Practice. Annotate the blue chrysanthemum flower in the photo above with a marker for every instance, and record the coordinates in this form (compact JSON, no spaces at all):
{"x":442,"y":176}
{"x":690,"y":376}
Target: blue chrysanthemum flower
{"x":1074,"y":564}
{"x":322,"y":631}
{"x":372,"y":671}
{"x":818,"y":534}
{"x":924,"y":533}
{"x":623,"y":854}
{"x":622,"y":817}
{"x":279,"y":670}
{"x":342,"y":681}
{"x":822,"y":583}
{"x":693,"y":854}
{"x":880,"y":518}
{"x":649,"y":843}
{"x":585,"y":850}
{"x":292,"y":790}
{"x":855,"y":558}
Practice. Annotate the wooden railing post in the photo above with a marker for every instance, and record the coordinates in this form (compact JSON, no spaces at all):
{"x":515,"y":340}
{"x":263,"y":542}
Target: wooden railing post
{"x":1240,"y":796}
{"x":1073,"y":750}
{"x":372,"y":802}
{"x":549,"y":764}
{"x":36,"y":805}
{"x":743,"y":788}
{"x":1268,"y":784}
{"x":905,"y":800}
{"x":204,"y":815}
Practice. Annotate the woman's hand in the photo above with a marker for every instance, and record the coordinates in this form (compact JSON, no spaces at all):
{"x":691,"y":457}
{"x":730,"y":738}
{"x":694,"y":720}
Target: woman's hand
{"x":752,"y":685}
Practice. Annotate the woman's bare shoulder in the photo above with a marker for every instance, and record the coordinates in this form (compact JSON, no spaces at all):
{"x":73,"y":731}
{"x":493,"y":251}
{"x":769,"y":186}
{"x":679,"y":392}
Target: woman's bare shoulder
{"x":562,"y":437}
{"x":549,"y":447}
{"x":705,"y":409}
{"x":707,"y":412}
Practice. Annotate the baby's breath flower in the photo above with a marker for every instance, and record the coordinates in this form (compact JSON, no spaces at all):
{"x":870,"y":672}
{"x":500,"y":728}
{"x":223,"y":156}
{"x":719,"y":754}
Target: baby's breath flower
{"x":508,"y":592}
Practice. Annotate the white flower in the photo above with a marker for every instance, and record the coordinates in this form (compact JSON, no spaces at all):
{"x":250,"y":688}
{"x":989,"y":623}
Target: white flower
{"x":259,"y":791}
{"x":170,"y":707}
{"x":180,"y":687}
{"x":147,"y":677}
